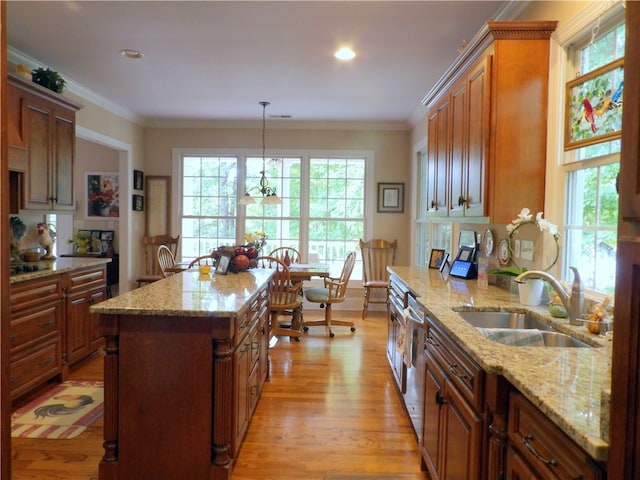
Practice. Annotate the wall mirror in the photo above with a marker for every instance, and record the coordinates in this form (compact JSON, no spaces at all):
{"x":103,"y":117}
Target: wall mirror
{"x":158,"y":202}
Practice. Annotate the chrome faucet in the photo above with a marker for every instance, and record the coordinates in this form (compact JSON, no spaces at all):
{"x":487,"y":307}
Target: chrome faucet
{"x":573,"y":303}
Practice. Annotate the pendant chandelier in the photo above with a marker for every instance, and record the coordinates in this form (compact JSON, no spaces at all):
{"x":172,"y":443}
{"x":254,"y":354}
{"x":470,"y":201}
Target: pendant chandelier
{"x":268,"y":193}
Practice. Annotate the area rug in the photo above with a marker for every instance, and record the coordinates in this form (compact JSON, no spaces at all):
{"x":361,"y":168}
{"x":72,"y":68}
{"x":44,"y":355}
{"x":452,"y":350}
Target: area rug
{"x":64,"y":411}
{"x":372,"y":476}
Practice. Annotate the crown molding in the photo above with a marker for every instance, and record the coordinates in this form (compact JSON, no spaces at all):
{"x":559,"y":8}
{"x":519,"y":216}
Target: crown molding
{"x":16,"y":57}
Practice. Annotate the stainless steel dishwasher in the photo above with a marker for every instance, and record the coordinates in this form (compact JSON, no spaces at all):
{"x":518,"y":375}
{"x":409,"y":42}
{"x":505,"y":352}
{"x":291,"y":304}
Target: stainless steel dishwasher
{"x":414,"y":395}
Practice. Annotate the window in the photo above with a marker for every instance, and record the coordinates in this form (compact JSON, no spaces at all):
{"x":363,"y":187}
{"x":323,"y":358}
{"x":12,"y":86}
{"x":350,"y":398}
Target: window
{"x":209,"y":204}
{"x":336,"y":209}
{"x":591,"y":206}
{"x":322,"y":212}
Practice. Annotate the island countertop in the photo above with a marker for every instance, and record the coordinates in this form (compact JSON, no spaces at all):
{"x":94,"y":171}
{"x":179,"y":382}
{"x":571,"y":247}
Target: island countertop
{"x":566,"y":384}
{"x":190,"y":294}
{"x":57,"y":266}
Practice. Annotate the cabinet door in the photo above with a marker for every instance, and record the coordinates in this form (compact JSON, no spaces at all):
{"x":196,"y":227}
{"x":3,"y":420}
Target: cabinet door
{"x":478,"y":128}
{"x":459,"y":120}
{"x":242,"y":363}
{"x":432,"y":160}
{"x":438,"y":149}
{"x":62,"y":162}
{"x":461,"y":437}
{"x":96,"y":340}
{"x":78,"y":327}
{"x":433,"y":402}
{"x":37,"y":115}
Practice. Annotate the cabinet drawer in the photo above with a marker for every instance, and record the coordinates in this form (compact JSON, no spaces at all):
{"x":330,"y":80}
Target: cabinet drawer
{"x":467,"y":376}
{"x":251,"y":315}
{"x":34,"y":326}
{"x":544,"y":446}
{"x":32,"y":369}
{"x":87,"y":280}
{"x":35,"y":293}
{"x":396,"y":294}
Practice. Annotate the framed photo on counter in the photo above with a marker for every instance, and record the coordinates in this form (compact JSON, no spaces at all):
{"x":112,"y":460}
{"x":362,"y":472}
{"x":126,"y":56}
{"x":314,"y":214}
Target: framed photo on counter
{"x":437,"y":258}
{"x":222,"y":267}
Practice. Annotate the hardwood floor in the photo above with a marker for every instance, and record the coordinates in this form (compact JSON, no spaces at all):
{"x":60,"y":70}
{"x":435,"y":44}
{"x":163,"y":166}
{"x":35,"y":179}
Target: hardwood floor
{"x":329,"y":406}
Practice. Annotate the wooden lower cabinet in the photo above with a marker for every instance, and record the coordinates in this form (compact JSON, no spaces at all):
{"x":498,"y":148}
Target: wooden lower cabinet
{"x":35,"y":331}
{"x":51,"y":326}
{"x":452,"y":431}
{"x":83,"y":288}
{"x":539,"y":449}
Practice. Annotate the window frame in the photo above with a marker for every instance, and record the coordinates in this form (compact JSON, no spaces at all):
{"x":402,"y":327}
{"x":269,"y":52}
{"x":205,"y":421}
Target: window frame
{"x":570,"y":41}
{"x":305,"y":155}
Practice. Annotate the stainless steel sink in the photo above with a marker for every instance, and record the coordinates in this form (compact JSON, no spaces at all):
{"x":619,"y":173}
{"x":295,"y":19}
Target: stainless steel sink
{"x":485,"y":319}
{"x":517,"y":321}
{"x":558,"y":339}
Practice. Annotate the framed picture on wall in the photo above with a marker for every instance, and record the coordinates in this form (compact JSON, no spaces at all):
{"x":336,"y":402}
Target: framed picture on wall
{"x":138,"y":203}
{"x":103,"y":195}
{"x":390,"y":197}
{"x":138,"y":180}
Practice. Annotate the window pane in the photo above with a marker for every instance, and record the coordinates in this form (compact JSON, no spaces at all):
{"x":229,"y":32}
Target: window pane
{"x":208,"y":204}
{"x":592,"y":225}
{"x":336,"y":208}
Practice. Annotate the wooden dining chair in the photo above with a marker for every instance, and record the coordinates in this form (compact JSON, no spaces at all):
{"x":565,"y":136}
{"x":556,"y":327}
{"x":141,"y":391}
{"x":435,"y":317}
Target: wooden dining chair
{"x":166,"y":261}
{"x":288,"y":255}
{"x":284,"y":297}
{"x":377,"y":254}
{"x":202,"y":260}
{"x":151,"y":245}
{"x":334,"y":291}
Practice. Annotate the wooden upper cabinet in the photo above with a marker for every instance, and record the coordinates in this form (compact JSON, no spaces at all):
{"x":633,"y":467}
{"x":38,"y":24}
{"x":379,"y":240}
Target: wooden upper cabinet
{"x":42,"y":144}
{"x":497,"y":90}
{"x":458,"y":159}
{"x":438,"y":153}
{"x":475,"y":165}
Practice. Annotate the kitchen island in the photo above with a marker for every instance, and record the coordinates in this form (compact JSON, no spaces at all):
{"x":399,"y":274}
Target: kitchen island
{"x":565,"y":384}
{"x":185,"y":361}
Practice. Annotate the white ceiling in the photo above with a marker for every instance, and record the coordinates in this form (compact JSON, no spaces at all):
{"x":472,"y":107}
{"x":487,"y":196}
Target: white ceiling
{"x":214,"y":60}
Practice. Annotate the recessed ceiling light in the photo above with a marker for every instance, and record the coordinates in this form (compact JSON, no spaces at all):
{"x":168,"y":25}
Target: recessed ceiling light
{"x":345,"y":53}
{"x":127,"y":52}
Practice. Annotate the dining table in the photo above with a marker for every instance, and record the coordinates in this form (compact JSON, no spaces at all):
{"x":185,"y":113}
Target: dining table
{"x":299,"y":273}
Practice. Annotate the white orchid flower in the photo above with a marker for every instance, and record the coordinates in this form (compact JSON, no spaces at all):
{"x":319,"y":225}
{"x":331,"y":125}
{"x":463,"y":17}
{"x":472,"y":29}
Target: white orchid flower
{"x":523,"y":216}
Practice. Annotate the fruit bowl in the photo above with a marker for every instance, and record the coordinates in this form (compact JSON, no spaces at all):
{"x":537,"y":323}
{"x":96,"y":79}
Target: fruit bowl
{"x":598,"y":327}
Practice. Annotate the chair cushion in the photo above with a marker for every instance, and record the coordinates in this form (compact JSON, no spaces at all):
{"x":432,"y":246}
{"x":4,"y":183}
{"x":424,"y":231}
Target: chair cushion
{"x":376,"y":284}
{"x":317,"y":294}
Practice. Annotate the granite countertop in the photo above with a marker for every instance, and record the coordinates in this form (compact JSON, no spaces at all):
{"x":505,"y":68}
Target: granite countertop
{"x":190,"y":294}
{"x":566,"y":384}
{"x":58,"y":266}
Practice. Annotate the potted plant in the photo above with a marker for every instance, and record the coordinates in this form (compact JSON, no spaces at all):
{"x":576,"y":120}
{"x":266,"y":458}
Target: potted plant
{"x":513,"y":270}
{"x":48,"y":78}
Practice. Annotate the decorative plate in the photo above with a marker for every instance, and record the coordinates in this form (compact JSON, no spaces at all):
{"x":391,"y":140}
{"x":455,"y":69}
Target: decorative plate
{"x":487,"y":243}
{"x":503,"y":252}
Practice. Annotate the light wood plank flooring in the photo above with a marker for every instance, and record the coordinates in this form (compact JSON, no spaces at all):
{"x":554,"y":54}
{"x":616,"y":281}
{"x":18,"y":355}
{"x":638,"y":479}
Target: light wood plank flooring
{"x":330,"y":406}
